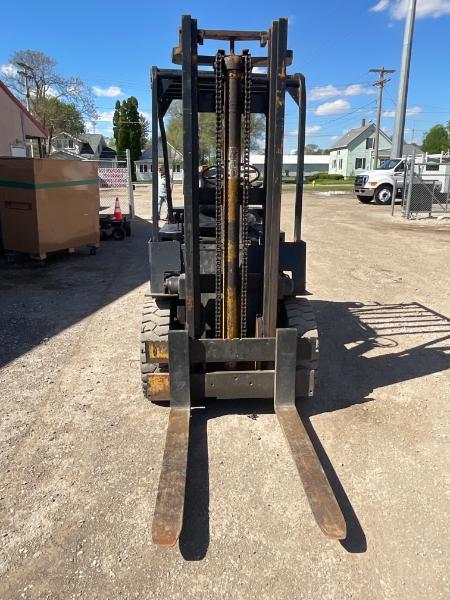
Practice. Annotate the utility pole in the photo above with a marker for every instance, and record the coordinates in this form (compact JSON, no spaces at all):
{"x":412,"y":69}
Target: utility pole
{"x":380,"y":83}
{"x":25,"y":74}
{"x":400,"y":111}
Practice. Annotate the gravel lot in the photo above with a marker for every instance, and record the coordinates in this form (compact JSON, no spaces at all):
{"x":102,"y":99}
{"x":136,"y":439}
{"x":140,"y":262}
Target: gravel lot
{"x":81,"y":450}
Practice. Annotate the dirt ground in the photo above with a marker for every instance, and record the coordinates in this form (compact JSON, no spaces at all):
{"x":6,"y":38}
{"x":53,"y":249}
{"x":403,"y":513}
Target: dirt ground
{"x":81,"y":450}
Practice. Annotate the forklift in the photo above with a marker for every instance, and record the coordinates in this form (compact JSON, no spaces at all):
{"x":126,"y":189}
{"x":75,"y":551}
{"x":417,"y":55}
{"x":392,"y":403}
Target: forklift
{"x":226,"y":315}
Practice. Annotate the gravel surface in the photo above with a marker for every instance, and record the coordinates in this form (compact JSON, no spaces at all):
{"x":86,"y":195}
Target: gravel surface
{"x":81,"y":450}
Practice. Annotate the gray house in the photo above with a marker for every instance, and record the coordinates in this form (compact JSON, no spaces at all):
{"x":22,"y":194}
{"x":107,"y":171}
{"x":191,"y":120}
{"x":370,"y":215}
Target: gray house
{"x":88,"y":146}
{"x":144,"y":164}
{"x":353,"y":152}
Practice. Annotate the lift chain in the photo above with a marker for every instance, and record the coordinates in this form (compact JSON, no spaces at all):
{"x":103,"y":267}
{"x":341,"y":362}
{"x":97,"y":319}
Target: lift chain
{"x":219,"y":190}
{"x":245,"y":190}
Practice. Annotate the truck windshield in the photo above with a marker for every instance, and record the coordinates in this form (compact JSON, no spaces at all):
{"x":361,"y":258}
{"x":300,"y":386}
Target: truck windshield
{"x":388,"y":164}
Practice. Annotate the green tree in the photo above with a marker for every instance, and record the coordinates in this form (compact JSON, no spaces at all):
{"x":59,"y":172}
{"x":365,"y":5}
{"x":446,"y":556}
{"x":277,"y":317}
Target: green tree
{"x":207,"y":132}
{"x":46,"y":83}
{"x":116,"y":121}
{"x":436,"y":140}
{"x":127,"y":129}
{"x":145,"y":131}
{"x":58,"y":116}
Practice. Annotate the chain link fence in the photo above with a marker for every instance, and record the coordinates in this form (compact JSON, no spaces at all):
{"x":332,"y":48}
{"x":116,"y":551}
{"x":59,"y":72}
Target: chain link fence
{"x":114,"y":181}
{"x":426,"y":188}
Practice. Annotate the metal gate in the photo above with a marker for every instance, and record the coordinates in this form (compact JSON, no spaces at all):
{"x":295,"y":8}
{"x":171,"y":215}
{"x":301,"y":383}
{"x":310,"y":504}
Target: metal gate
{"x":427,"y":188}
{"x":114,"y":181}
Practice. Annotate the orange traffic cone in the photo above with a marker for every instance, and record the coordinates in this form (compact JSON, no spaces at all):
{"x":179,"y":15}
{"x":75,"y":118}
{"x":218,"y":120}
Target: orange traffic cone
{"x":117,"y":210}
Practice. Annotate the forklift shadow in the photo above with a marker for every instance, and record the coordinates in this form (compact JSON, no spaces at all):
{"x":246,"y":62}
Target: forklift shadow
{"x":41,"y":299}
{"x":347,"y":377}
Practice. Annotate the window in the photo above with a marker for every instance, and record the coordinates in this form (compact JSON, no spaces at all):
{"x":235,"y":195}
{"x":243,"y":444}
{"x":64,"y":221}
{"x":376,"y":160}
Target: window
{"x":340,"y":163}
{"x":143,"y":168}
{"x":177,"y":169}
{"x":339,"y":152}
{"x":360,"y":163}
{"x":369,"y":143}
{"x":334,"y":164}
{"x":70,"y":143}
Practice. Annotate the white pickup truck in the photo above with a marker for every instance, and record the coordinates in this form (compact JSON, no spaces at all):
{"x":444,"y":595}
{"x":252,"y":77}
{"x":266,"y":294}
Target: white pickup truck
{"x":381,"y":183}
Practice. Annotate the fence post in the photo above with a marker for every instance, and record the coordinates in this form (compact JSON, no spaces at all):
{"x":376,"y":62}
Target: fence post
{"x":410,"y":186}
{"x":130,"y":185}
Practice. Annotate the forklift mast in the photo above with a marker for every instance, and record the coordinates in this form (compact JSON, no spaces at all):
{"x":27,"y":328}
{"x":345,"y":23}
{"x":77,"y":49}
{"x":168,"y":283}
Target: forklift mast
{"x":223,"y":318}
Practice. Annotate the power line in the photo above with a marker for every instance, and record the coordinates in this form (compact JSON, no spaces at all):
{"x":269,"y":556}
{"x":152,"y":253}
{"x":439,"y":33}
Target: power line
{"x":380,"y":84}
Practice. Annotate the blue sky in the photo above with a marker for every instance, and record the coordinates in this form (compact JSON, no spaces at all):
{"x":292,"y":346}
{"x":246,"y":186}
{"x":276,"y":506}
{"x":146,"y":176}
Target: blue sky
{"x":112,"y":45}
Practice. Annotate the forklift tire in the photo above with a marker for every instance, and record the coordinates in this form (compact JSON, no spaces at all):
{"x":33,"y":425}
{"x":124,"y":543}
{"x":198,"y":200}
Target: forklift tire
{"x":298,"y":313}
{"x":365,"y":199}
{"x":155,"y":327}
{"x":118,"y":234}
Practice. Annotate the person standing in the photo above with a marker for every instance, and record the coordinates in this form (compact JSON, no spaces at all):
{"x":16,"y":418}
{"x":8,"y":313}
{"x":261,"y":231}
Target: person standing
{"x":162,"y":191}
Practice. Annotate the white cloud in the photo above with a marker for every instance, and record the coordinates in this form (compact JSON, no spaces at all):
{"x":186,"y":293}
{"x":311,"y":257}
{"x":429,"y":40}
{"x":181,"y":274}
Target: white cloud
{"x":332,"y":108}
{"x":113,"y":91}
{"x":106,"y":115}
{"x":9,"y":70}
{"x":425,"y":8}
{"x":328,"y":91}
{"x":260,"y":70}
{"x":380,"y":6}
{"x":323,"y":91}
{"x":312,"y":129}
{"x":357,"y":89}
{"x":415,"y":110}
{"x":334,"y":137}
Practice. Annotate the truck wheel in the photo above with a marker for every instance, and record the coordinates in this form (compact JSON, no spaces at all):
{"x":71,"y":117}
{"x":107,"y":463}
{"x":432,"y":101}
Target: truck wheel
{"x":297,"y":313}
{"x":155,"y":327}
{"x":383,"y":194}
{"x":364,"y":199}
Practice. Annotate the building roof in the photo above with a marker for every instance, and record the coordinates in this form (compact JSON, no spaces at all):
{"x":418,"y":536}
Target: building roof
{"x":93,"y":139}
{"x":147,"y":153}
{"x":351,"y":136}
{"x":108,"y":153}
{"x":33,"y":119}
{"x":408,"y":150}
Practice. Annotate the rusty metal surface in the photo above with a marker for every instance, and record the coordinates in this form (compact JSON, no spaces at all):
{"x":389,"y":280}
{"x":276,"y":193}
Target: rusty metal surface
{"x":231,"y":285}
{"x":168,"y":515}
{"x":158,"y":386}
{"x":157,"y":351}
{"x":320,"y":496}
{"x":322,"y":501}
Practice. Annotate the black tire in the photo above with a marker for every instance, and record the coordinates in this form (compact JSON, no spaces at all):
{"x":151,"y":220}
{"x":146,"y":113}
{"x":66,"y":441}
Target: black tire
{"x":155,"y":327}
{"x":365,"y":199}
{"x":298,"y":313}
{"x":383,"y":194}
{"x":118,"y":234}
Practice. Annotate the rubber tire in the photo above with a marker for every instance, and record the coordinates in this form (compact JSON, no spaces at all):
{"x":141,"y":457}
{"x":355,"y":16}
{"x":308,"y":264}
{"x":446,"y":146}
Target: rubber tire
{"x":365,"y":199}
{"x":155,"y":326}
{"x":298,"y":313}
{"x":378,"y":191}
{"x":118,"y":234}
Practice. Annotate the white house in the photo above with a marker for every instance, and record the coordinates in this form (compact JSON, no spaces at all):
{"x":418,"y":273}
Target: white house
{"x":313,"y":163}
{"x":353,"y":152}
{"x":144,"y":164}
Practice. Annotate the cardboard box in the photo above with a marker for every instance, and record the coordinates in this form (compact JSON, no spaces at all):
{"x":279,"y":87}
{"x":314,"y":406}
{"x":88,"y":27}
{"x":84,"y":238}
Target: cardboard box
{"x":48,"y":205}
